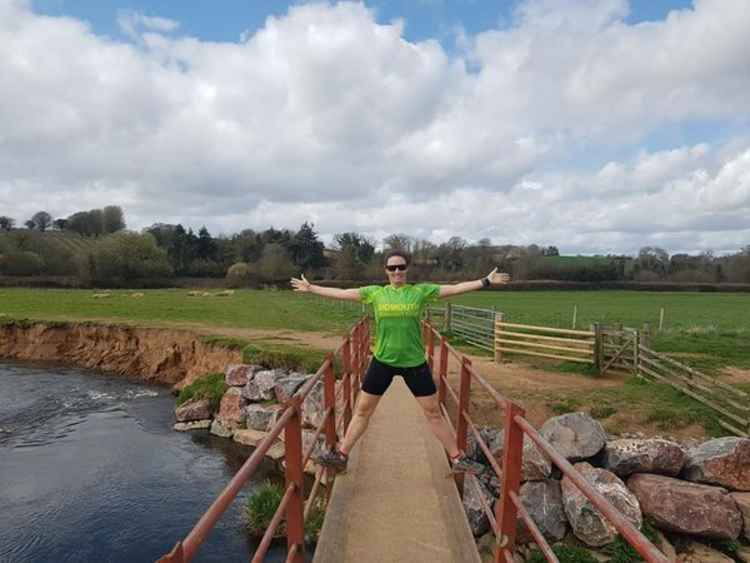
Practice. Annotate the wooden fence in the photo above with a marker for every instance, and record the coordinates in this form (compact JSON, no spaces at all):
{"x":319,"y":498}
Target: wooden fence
{"x":547,"y":342}
{"x":730,"y":404}
{"x":472,"y":324}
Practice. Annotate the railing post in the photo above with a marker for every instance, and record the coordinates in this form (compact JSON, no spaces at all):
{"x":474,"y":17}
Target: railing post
{"x":329,"y":402}
{"x":505,"y":509}
{"x":295,"y":522}
{"x":443,"y":369}
{"x":430,"y":347}
{"x":497,"y":335}
{"x":462,"y":426}
{"x":346,"y":359}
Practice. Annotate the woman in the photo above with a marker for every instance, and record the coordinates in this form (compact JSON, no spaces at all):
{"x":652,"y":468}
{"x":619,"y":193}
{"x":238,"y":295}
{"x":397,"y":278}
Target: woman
{"x":399,"y":350}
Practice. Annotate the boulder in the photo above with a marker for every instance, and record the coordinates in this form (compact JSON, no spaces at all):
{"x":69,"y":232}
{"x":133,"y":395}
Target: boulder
{"x":679,"y":506}
{"x":473,"y":507}
{"x":193,"y":410}
{"x":240,"y":375}
{"x":288,"y":386}
{"x":260,"y":388}
{"x":494,"y":440}
{"x":588,"y":524}
{"x":575,"y":435}
{"x":535,"y":466}
{"x":490,"y":480}
{"x":313,"y":407}
{"x":230,"y":410}
{"x":743,"y":503}
{"x":260,"y":417}
{"x":723,"y":461}
{"x":249,"y":437}
{"x":543,"y":501}
{"x":218,"y":429}
{"x":699,"y":553}
{"x":194,"y":425}
{"x":628,"y":456}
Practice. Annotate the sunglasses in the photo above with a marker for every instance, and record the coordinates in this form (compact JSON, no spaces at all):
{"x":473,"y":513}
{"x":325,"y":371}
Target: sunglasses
{"x":396,"y":267}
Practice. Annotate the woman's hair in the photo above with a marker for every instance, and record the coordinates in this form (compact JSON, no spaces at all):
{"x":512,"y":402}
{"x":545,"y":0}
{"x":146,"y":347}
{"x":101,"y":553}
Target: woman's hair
{"x":402,"y":253}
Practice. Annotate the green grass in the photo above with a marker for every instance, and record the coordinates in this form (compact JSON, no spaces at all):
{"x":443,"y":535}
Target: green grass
{"x":210,"y":386}
{"x":260,"y":507}
{"x":280,"y":355}
{"x":566,"y":554}
{"x":620,"y":551}
{"x":261,"y":309}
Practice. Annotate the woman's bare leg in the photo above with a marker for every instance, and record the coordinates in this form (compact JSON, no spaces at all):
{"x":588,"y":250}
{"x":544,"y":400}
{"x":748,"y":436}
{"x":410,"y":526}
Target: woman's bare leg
{"x":438,"y":425}
{"x":366,"y":405}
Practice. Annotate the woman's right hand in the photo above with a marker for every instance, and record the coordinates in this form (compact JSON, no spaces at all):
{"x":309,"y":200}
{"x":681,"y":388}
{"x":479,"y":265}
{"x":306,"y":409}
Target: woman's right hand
{"x":301,"y":284}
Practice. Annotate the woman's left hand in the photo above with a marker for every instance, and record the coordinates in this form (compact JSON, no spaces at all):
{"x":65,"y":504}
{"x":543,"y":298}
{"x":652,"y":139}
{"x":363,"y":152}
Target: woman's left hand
{"x":498,"y":278}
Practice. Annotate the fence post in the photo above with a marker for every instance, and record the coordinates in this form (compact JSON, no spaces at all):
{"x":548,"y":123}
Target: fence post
{"x":430,"y":347}
{"x":443,"y":369}
{"x":463,"y":405}
{"x":329,"y":401}
{"x":498,"y":333}
{"x":646,"y":335}
{"x":575,"y":315}
{"x":505,"y":509}
{"x":295,"y":522}
{"x":598,"y":348}
{"x":346,"y":360}
{"x":448,"y":320}
{"x":636,"y":352}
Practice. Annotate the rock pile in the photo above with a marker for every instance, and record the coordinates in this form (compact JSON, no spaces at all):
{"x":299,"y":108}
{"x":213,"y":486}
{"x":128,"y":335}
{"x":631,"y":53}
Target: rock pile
{"x":701,"y":490}
{"x":251,"y":405}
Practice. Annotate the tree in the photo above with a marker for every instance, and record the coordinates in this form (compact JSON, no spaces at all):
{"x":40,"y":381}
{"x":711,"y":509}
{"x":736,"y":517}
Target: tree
{"x":6,"y":223}
{"x":31,"y":225}
{"x":112,"y":218}
{"x":305,"y":249}
{"x":275,"y":264}
{"x":42,"y":220}
{"x":60,"y":224}
{"x":126,"y":257}
{"x":206,"y":247}
{"x":398,"y":241}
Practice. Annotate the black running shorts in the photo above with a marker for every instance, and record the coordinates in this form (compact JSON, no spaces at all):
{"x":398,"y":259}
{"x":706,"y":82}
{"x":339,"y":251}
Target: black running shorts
{"x":379,"y":376}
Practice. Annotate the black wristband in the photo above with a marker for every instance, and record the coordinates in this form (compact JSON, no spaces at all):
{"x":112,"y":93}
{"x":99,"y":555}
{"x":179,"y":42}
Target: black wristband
{"x":485,"y":282}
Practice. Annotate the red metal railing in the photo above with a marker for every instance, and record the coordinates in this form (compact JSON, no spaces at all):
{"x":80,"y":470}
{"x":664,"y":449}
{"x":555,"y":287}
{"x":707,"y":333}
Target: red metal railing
{"x":353,"y":354}
{"x":503,"y":519}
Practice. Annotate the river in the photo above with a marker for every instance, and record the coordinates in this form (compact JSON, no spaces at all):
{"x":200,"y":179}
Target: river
{"x":91,"y":470}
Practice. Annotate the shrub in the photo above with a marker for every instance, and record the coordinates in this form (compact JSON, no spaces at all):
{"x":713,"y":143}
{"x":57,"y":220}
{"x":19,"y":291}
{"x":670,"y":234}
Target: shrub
{"x":210,"y":386}
{"x":125,"y":256}
{"x":238,"y":275}
{"x":260,"y":507}
{"x":23,"y":263}
{"x":284,"y":356}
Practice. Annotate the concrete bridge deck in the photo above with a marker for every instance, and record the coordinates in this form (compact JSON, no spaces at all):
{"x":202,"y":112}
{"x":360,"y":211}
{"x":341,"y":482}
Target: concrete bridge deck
{"x":395,"y":503}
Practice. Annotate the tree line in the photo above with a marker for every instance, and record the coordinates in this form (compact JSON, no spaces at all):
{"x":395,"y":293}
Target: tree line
{"x":94,"y":247}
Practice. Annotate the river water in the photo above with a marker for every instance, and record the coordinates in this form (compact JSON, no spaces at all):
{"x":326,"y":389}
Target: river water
{"x":91,"y":470}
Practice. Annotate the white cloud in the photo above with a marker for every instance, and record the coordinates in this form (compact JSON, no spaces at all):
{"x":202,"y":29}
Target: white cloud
{"x":325,"y":114}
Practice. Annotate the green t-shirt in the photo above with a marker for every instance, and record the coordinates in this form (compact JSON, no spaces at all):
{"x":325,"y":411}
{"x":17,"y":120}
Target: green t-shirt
{"x":398,"y":312}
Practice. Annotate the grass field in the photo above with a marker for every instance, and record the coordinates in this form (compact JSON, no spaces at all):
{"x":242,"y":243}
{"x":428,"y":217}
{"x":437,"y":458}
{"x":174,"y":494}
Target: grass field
{"x":708,"y":331}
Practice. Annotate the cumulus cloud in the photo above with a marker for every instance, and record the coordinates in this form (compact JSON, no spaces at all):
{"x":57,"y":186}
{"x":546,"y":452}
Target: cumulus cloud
{"x":325,"y":114}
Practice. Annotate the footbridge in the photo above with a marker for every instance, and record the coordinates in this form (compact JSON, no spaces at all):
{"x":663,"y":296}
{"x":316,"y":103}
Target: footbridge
{"x":397,"y":500}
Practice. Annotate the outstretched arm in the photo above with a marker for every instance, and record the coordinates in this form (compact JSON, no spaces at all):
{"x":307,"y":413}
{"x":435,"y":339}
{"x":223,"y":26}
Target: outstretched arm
{"x":494,"y":278}
{"x":304,"y":286}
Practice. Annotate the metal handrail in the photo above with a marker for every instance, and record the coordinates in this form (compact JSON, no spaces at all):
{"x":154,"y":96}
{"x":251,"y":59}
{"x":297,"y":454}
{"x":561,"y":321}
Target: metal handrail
{"x":353,"y":352}
{"x":509,"y":508}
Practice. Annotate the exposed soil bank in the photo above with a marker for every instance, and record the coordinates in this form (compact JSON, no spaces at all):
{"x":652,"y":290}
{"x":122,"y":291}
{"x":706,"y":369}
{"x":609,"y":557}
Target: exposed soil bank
{"x":169,"y":356}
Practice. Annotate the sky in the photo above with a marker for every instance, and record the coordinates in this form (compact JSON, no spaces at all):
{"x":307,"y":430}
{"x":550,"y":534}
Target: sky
{"x":597,"y":126}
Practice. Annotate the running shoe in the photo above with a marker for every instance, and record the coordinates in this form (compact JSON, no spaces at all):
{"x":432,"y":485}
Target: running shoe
{"x":333,"y":459}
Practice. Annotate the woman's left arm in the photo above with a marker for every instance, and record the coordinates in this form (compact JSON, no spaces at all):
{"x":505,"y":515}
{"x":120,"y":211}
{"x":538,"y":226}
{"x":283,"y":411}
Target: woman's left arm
{"x":493,"y":278}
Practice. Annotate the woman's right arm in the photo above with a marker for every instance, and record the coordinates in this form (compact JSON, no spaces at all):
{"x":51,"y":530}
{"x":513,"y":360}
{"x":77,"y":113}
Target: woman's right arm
{"x":304,"y":286}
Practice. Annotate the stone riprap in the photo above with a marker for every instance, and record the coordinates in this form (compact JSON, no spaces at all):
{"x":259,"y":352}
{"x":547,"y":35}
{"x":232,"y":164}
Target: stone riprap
{"x":193,"y":410}
{"x":577,"y":436}
{"x":723,"y":461}
{"x":239,"y":375}
{"x":588,"y":524}
{"x":628,"y":456}
{"x":688,"y":508}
